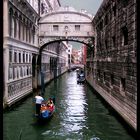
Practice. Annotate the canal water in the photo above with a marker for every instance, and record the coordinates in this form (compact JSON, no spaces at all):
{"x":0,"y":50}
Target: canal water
{"x":80,"y":115}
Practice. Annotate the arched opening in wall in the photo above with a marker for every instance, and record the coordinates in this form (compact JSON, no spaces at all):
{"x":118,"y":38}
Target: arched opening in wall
{"x":53,"y":59}
{"x":58,"y":48}
{"x":124,"y":36}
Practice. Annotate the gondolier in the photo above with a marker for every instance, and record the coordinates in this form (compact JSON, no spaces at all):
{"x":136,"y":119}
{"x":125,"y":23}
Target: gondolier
{"x":38,"y":100}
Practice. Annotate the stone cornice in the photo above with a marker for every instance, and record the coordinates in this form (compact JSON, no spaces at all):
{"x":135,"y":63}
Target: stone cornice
{"x":66,"y":12}
{"x":66,"y":22}
{"x":23,"y":45}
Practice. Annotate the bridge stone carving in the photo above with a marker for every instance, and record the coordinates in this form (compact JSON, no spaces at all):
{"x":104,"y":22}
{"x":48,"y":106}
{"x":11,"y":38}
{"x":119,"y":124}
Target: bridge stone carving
{"x":66,"y":24}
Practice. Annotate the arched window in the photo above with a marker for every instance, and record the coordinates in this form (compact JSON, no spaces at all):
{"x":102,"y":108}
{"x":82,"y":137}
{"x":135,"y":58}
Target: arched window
{"x":10,"y":21}
{"x":33,"y":35}
{"x":30,"y":26}
{"x":23,"y":28}
{"x":15,"y":24}
{"x":27,"y":32}
{"x":124,"y":35}
{"x":20,"y":28}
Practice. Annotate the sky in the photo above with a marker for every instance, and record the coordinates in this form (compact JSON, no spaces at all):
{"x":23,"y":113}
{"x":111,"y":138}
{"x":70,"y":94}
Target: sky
{"x":91,"y":6}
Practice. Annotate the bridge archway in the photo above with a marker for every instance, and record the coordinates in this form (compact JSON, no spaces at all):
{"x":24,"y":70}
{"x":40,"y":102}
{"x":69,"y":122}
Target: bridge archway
{"x":39,"y":63}
{"x":89,"y":43}
{"x":66,"y":24}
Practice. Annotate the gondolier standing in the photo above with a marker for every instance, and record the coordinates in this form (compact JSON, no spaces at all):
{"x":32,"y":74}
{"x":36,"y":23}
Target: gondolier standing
{"x":38,"y":100}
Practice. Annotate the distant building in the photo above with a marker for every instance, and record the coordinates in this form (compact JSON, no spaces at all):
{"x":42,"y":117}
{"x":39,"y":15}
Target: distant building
{"x":84,"y":54}
{"x":69,"y":55}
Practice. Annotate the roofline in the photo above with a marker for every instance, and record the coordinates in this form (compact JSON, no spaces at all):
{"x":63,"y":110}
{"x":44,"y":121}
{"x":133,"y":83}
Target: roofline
{"x":66,"y":12}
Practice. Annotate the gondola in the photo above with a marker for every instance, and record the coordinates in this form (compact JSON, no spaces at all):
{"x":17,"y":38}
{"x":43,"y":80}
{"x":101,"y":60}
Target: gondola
{"x":47,"y":110}
{"x":80,"y":79}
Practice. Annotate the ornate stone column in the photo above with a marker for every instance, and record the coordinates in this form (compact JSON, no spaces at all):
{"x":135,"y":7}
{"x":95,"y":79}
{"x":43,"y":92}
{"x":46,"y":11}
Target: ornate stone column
{"x":5,"y":51}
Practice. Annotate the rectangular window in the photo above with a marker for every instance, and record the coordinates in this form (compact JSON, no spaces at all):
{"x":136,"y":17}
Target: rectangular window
{"x":29,"y":58}
{"x":15,"y":57}
{"x":17,"y":72}
{"x":13,"y":72}
{"x":113,"y":41}
{"x":123,"y":84}
{"x":104,"y":77}
{"x":112,"y":79}
{"x":114,"y":10}
{"x":106,"y":45}
{"x":125,"y":36}
{"x":106,"y":20}
{"x":23,"y":57}
{"x":55,"y":28}
{"x":77,"y":27}
{"x":125,"y":3}
{"x":10,"y":55}
{"x":101,"y":25}
{"x":19,"y":57}
{"x":10,"y":73}
{"x":99,"y":74}
{"x":21,"y":72}
{"x":26,"y":58}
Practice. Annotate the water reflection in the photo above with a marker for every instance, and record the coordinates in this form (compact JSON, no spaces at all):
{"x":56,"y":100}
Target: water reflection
{"x":79,"y":115}
{"x":74,"y":103}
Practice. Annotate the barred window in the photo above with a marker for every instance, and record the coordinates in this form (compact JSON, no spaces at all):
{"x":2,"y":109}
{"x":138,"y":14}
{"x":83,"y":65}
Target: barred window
{"x":77,"y":27}
{"x":55,"y":28}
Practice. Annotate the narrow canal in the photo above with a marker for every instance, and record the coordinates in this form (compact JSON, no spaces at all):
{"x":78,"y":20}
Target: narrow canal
{"x":80,"y":115}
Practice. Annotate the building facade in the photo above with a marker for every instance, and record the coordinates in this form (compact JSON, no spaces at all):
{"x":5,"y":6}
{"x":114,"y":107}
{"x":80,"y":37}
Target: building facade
{"x":20,"y":43}
{"x":113,"y":65}
{"x":21,"y":47}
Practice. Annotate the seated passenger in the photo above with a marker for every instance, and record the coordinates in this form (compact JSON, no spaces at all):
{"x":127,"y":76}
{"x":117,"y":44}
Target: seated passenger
{"x":43,"y":107}
{"x":50,"y":104}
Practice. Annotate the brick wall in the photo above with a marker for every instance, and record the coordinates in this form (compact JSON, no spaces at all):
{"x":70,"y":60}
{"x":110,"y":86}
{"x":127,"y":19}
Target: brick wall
{"x":114,"y":70}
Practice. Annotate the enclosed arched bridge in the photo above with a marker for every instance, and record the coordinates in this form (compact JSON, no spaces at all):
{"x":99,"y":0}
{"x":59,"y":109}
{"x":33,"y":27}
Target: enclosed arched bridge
{"x":65,"y":24}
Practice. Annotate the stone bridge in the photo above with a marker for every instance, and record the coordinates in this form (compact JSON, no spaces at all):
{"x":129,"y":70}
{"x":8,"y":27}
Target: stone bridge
{"x":66,"y":24}
{"x":75,"y":66}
